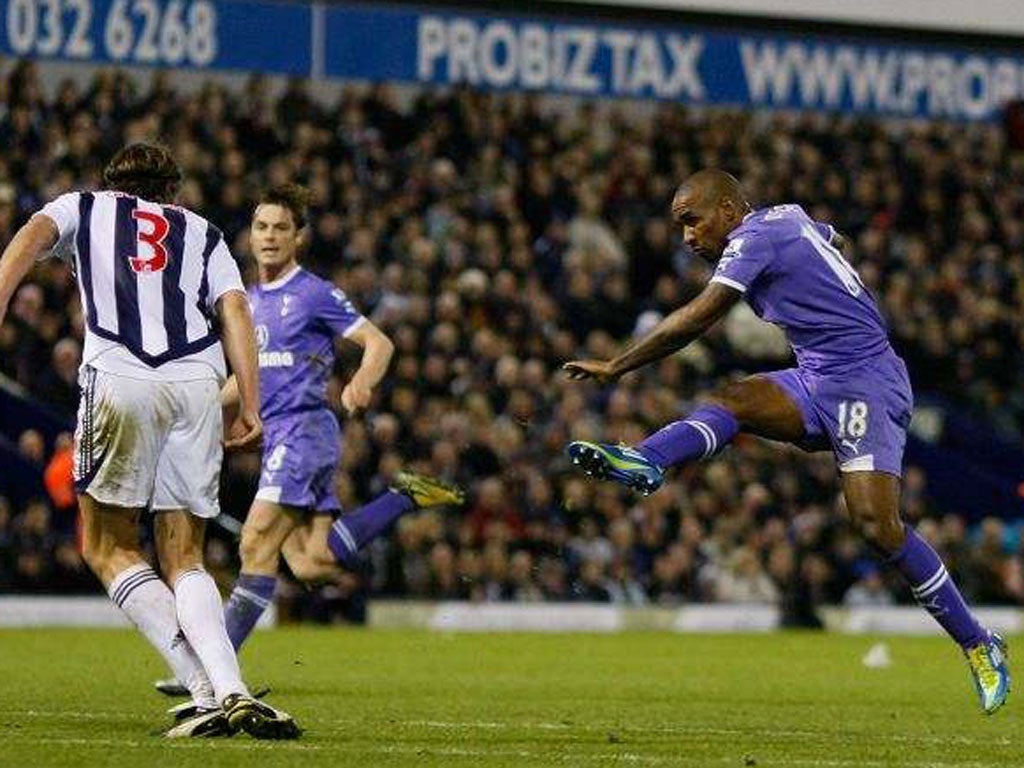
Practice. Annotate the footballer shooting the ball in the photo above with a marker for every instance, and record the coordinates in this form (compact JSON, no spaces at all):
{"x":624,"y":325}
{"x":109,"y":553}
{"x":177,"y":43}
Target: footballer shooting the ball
{"x":849,"y":392}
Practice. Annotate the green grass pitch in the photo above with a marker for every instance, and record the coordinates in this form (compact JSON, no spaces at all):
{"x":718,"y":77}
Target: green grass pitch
{"x":390,"y":698}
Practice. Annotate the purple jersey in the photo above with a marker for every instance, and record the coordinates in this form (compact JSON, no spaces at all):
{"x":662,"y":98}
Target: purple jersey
{"x":297,"y":319}
{"x":791,"y":275}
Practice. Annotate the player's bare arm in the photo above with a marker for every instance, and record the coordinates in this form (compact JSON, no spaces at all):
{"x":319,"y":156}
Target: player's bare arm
{"x":229,"y":401}
{"x":377,"y":352}
{"x":239,"y":339}
{"x":229,"y":397}
{"x":37,"y":235}
{"x":675,"y":332}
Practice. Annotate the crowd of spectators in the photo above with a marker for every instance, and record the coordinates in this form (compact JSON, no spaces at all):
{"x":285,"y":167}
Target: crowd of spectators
{"x":495,"y":237}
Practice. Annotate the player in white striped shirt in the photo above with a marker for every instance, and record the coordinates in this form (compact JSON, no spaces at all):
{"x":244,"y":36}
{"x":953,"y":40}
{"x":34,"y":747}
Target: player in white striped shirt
{"x":163,"y":303}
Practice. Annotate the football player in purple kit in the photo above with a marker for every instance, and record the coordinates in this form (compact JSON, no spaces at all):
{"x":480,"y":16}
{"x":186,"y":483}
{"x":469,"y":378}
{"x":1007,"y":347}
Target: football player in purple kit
{"x":298,"y":317}
{"x":849,"y":392}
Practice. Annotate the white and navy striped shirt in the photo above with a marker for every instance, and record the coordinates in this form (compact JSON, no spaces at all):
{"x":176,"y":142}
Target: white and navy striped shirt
{"x":149,"y":277}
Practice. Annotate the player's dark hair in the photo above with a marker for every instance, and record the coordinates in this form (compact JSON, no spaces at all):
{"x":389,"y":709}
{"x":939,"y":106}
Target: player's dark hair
{"x":291,"y":196}
{"x":145,"y":170}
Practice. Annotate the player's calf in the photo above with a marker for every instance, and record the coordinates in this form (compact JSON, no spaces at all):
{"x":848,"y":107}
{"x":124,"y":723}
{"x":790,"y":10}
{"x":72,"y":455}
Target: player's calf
{"x":110,"y":538}
{"x":700,"y":435}
{"x":872,"y":502}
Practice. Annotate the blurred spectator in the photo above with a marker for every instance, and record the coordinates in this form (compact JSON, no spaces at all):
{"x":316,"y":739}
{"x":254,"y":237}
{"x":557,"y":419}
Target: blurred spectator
{"x":34,"y":547}
{"x":32,"y":447}
{"x":869,"y":592}
{"x":744,"y":580}
{"x":58,"y":384}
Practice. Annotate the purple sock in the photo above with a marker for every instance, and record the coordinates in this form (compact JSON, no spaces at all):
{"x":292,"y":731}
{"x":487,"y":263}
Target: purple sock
{"x":703,"y":433}
{"x":935,"y":590}
{"x":250,"y":597}
{"x":350,"y":533}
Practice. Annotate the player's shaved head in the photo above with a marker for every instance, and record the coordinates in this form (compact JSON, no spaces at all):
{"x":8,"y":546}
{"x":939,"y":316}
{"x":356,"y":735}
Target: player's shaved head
{"x":707,"y":206}
{"x":712,"y":185}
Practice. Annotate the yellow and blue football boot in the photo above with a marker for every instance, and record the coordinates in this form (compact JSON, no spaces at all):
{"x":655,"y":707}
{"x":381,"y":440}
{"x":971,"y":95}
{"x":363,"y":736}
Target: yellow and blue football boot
{"x":991,"y":674}
{"x":427,"y":492}
{"x":618,"y":463}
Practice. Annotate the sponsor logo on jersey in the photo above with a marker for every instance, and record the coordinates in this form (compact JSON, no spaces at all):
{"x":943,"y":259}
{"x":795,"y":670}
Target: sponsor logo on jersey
{"x":276,"y":359}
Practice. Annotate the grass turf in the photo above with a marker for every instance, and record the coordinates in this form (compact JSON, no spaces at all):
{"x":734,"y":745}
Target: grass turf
{"x":367,"y":698}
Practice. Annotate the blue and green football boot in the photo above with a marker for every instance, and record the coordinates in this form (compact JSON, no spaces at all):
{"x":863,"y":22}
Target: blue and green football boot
{"x":618,"y":463}
{"x":987,"y":661}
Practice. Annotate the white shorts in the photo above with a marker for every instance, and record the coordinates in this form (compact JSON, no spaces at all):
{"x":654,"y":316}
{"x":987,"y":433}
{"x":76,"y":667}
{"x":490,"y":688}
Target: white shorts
{"x":143,"y":443}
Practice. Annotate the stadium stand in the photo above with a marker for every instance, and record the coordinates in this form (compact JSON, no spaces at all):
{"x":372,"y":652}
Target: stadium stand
{"x":496,"y":236}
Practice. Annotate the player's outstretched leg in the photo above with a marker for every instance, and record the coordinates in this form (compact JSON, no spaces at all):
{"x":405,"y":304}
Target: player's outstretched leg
{"x":873,"y":501}
{"x":703,"y":433}
{"x":410,"y":491}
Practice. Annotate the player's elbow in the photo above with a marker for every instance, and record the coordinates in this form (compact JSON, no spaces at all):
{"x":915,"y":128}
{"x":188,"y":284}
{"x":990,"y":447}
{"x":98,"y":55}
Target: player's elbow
{"x":381,"y":347}
{"x":38,"y":234}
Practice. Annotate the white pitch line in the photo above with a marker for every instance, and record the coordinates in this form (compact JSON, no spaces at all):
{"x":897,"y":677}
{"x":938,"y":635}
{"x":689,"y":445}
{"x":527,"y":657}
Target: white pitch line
{"x":456,"y":752}
{"x":673,"y":729}
{"x":160,"y":742}
{"x":625,"y":731}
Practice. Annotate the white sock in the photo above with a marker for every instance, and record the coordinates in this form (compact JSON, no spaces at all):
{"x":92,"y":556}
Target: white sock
{"x":142,"y":595}
{"x":201,"y":616}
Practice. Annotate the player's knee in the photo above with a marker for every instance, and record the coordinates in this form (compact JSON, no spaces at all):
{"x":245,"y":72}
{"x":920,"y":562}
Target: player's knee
{"x":305,"y":570}
{"x":725,"y":397}
{"x":306,"y":566}
{"x":257,"y":553}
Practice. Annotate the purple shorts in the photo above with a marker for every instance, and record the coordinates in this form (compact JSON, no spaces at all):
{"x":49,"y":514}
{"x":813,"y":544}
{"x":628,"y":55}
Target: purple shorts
{"x":862,"y":414}
{"x":300,"y":455}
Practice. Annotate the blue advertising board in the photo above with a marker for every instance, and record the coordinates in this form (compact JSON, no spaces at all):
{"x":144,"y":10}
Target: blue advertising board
{"x":673,"y":62}
{"x":667,"y":61}
{"x":239,"y":34}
